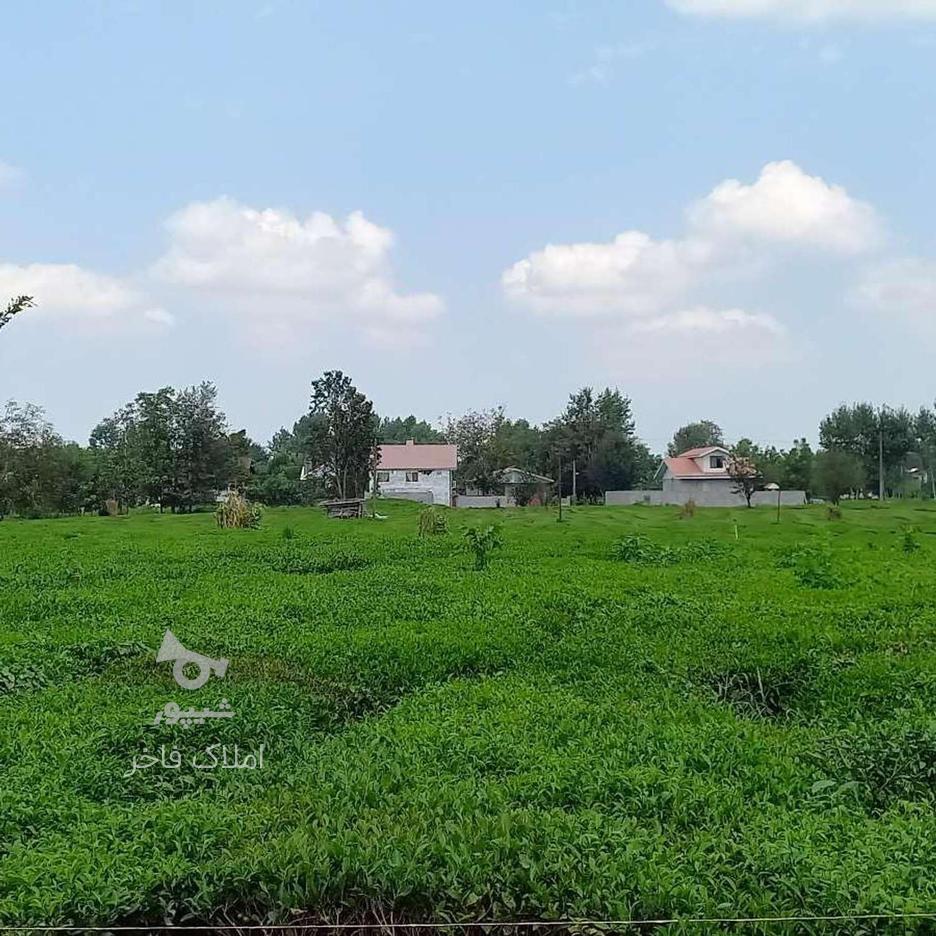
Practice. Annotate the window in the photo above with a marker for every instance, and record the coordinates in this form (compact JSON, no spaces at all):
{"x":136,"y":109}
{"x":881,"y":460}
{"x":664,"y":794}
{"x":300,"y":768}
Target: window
{"x":716,"y":461}
{"x":412,"y":475}
{"x":383,"y":476}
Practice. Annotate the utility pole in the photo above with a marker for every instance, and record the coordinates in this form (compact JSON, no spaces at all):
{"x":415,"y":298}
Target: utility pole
{"x":574,"y":473}
{"x":881,"y":456}
{"x":559,"y":485}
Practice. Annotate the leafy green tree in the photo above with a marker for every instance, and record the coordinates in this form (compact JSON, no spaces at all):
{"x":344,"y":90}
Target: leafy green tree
{"x":860,"y":428}
{"x":837,"y":472}
{"x":401,"y":429}
{"x":695,"y":435}
{"x":797,"y":468}
{"x":344,"y":440}
{"x":201,"y":457}
{"x":598,"y":432}
{"x":480,"y":455}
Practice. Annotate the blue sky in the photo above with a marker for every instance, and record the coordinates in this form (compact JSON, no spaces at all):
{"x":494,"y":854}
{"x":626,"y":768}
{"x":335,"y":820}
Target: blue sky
{"x":723,"y":207}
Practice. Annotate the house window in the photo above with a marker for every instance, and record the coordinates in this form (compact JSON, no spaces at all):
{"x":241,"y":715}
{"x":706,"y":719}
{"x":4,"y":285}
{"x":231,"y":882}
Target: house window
{"x":383,"y":476}
{"x":412,"y":475}
{"x":716,"y":461}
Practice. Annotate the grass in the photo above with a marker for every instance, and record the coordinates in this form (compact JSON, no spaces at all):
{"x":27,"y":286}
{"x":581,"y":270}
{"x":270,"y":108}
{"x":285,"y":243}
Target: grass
{"x":626,"y":715}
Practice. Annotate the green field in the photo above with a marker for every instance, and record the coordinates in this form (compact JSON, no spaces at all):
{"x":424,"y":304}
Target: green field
{"x":719,"y":716}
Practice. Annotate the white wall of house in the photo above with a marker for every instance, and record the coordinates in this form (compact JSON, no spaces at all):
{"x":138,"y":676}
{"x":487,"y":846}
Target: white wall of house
{"x":437,"y":482}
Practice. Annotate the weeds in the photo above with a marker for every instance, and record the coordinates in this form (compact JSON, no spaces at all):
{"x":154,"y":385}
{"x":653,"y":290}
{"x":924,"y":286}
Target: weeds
{"x":481,"y":543}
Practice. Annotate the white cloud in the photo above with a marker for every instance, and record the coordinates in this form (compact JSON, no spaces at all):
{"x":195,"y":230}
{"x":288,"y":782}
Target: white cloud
{"x":903,"y":288}
{"x":702,"y":321}
{"x":810,"y":10}
{"x":733,"y":231}
{"x":69,"y":293}
{"x":299,"y":268}
{"x":605,"y":61}
{"x":631,"y":275}
{"x":10,"y":176}
{"x":785,"y":205}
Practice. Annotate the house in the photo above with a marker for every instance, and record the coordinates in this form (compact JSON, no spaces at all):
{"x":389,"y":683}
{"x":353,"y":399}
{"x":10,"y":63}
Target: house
{"x":417,"y":471}
{"x":534,"y":487}
{"x":700,"y":475}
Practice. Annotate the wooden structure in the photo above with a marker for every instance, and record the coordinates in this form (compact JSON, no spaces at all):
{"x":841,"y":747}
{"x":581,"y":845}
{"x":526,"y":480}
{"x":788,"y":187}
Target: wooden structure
{"x":344,"y":509}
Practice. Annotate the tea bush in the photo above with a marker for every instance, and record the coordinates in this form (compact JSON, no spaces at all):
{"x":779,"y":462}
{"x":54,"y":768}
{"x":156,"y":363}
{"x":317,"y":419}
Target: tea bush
{"x":625,"y":716}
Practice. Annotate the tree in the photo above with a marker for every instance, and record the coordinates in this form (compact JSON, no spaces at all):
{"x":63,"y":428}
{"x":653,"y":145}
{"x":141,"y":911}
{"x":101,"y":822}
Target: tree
{"x":837,"y":472}
{"x":344,"y":440}
{"x":861,"y":428}
{"x":797,"y":469}
{"x":598,"y":433}
{"x":695,"y":435}
{"x":14,"y":307}
{"x":480,"y":455}
{"x":201,"y":457}
{"x":743,"y":471}
{"x":399,"y":429}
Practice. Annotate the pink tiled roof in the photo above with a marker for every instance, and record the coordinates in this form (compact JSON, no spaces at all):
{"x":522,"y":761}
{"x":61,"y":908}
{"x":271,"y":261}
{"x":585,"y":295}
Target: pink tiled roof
{"x":682,"y":467}
{"x":428,"y":457}
{"x":700,"y":452}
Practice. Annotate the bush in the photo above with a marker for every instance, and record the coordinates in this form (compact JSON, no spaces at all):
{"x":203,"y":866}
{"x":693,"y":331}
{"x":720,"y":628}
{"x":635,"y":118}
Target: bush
{"x":482,"y":543}
{"x":237,"y":513}
{"x":811,"y":565}
{"x":433,"y":521}
{"x":687,"y":511}
{"x":910,"y":542}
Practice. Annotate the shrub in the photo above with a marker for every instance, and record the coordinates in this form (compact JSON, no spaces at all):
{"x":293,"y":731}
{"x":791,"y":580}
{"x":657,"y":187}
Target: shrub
{"x":433,"y":521}
{"x":811,"y":565}
{"x":687,"y":511}
{"x":482,"y":543}
{"x":834,"y":513}
{"x":910,"y":542}
{"x":237,"y":513}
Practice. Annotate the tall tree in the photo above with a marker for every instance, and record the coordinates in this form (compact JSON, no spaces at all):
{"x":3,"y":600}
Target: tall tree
{"x":480,"y":454}
{"x":862,"y":430}
{"x":344,"y":440}
{"x":695,"y":435}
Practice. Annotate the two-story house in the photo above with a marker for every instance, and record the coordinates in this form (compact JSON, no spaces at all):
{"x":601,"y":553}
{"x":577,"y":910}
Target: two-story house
{"x":417,"y":471}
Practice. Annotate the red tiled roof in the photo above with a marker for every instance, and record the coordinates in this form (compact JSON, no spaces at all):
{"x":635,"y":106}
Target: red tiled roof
{"x":429,"y":457}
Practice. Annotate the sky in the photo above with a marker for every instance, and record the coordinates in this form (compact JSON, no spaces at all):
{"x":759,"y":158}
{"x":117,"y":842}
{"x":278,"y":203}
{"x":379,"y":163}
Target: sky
{"x":722,"y":207}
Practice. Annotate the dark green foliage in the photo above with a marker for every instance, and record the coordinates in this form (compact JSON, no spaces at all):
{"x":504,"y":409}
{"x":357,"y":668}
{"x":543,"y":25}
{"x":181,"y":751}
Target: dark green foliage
{"x":342,"y":436}
{"x":695,"y":435}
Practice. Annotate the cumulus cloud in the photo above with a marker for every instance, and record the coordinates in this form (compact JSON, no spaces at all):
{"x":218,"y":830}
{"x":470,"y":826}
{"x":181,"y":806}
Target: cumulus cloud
{"x":70,"y":293}
{"x":810,"y":10}
{"x":733,"y":230}
{"x":785,"y":205}
{"x":301,"y":268}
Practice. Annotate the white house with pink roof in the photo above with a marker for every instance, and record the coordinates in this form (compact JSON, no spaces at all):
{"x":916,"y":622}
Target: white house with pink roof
{"x":417,"y":471}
